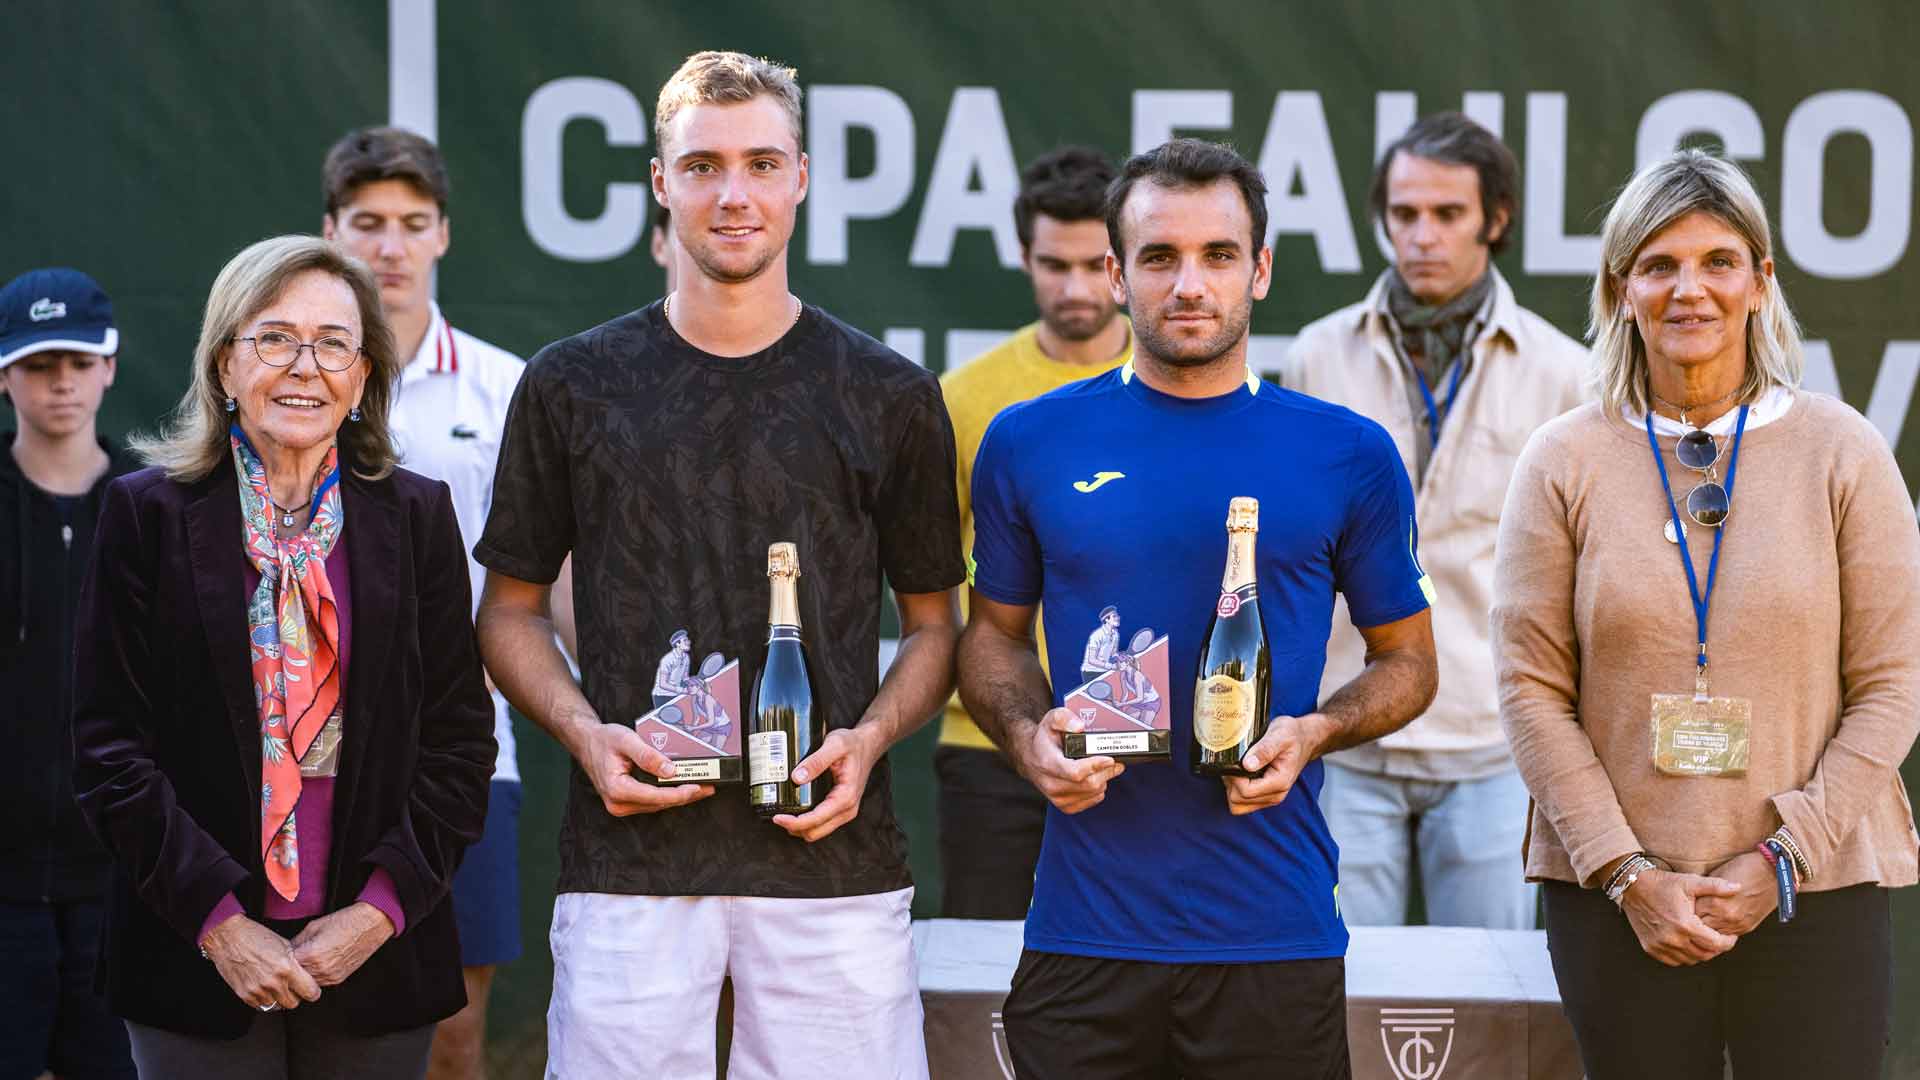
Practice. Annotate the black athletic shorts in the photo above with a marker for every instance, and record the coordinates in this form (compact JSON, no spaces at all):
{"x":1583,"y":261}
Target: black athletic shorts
{"x":1083,"y":1018}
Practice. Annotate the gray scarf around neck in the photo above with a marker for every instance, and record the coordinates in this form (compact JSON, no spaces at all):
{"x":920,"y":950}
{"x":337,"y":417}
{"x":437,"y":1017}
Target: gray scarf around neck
{"x":1435,"y":334}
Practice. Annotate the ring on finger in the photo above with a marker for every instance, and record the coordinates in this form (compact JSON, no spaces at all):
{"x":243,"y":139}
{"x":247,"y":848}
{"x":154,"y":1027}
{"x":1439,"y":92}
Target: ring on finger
{"x":268,"y":1007}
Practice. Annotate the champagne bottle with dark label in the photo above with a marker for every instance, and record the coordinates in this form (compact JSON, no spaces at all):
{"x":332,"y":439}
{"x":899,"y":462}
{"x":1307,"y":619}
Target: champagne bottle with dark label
{"x":1230,"y":692}
{"x":784,"y":725}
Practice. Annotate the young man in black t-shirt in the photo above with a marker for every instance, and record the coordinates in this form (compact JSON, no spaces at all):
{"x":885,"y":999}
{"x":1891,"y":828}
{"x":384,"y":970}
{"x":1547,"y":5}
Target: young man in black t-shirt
{"x":666,"y":450}
{"x":58,"y":354}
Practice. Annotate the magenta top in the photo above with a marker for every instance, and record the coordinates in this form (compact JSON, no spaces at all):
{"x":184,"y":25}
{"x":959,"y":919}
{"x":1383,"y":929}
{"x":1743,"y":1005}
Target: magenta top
{"x":315,"y":812}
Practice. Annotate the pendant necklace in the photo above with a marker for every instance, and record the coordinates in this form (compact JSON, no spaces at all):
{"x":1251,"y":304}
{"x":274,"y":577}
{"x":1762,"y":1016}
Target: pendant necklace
{"x":1683,"y":410}
{"x":287,"y":512}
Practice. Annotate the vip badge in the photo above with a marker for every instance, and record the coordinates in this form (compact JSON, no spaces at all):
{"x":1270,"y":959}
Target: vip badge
{"x":1425,"y":1041}
{"x":1701,"y":736}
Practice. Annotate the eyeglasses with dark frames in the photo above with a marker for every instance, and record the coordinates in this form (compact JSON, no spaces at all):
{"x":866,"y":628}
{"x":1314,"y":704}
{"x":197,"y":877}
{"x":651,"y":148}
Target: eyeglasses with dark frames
{"x":277,"y":348}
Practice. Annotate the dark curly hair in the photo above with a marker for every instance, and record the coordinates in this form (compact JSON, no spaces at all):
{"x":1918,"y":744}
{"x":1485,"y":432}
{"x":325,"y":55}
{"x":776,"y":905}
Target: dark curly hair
{"x":1066,"y":184}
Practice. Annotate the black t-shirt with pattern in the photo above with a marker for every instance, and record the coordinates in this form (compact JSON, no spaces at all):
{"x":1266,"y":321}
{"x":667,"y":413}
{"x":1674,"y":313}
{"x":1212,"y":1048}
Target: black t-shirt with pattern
{"x":667,"y":472}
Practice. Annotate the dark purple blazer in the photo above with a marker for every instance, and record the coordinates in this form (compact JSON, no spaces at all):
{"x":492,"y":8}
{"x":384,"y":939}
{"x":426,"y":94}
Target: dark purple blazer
{"x":167,"y":743}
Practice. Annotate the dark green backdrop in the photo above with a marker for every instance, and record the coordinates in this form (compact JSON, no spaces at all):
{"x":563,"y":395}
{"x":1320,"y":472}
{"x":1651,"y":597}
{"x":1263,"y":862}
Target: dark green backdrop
{"x":147,"y":143}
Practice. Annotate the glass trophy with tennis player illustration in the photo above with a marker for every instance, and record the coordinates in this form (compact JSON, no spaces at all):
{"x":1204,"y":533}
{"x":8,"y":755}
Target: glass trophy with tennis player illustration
{"x":695,"y":719}
{"x":1122,"y":698}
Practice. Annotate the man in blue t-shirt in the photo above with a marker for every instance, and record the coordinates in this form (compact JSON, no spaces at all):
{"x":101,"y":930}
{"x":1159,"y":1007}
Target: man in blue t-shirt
{"x":1183,"y":925}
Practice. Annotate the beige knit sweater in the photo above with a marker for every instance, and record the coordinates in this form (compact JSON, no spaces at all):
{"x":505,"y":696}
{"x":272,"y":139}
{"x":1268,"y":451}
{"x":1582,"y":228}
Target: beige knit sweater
{"x":1816,"y":620}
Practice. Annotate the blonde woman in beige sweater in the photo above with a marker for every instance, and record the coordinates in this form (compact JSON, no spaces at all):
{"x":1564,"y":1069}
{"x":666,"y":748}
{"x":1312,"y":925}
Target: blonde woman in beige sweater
{"x":1695,"y":764}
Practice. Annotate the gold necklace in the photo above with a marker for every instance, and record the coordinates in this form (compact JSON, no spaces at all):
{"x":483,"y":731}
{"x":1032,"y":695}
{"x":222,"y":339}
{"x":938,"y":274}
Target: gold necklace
{"x":798,"y":307}
{"x":1684,"y":409}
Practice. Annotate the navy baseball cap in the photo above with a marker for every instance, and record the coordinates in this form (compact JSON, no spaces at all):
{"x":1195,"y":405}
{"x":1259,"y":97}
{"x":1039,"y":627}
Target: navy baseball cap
{"x":55,"y":309}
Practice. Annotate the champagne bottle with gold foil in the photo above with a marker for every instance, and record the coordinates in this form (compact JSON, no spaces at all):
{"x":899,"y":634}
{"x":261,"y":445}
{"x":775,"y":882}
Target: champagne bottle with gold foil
{"x":784,"y":726}
{"x":1231,"y":690}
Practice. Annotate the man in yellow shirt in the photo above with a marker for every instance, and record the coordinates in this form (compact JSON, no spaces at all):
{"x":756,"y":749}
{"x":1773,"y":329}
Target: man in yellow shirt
{"x":990,"y":818}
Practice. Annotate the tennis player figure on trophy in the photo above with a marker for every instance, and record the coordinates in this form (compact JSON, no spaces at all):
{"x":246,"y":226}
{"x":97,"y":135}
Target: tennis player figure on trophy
{"x":1121,"y":701}
{"x":692,"y":716}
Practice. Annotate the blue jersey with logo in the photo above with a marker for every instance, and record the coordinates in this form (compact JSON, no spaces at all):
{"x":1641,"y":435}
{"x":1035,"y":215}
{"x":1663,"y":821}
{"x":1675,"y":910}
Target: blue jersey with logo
{"x":1109,"y":494}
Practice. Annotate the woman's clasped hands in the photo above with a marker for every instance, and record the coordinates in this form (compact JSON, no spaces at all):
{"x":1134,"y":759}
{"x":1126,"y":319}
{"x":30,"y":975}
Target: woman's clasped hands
{"x":1683,"y":919}
{"x":269,"y":972}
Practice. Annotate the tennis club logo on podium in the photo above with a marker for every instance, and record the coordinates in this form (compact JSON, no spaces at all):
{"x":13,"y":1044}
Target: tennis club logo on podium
{"x":1424,"y":1039}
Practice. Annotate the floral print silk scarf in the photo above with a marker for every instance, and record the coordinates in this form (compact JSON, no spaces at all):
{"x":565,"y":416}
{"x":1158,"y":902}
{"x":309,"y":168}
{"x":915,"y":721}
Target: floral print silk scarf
{"x":293,"y":630}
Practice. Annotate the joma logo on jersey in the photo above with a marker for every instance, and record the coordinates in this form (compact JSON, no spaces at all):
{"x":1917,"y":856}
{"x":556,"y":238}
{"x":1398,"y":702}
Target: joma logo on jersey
{"x":1100,"y":480}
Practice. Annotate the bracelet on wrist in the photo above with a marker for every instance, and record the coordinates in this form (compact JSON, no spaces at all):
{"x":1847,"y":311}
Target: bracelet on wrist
{"x":1621,"y":871}
{"x":1618,"y":894}
{"x":1787,"y":903}
{"x":1784,"y":838}
{"x":1626,"y":874}
{"x":1618,"y":873}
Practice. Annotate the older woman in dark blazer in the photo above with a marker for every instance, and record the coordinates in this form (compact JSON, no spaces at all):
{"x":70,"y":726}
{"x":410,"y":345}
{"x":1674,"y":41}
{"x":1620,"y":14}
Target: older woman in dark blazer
{"x":282,"y":733}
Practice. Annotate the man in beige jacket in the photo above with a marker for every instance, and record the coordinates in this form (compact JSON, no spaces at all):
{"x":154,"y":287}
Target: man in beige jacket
{"x":1459,"y":374}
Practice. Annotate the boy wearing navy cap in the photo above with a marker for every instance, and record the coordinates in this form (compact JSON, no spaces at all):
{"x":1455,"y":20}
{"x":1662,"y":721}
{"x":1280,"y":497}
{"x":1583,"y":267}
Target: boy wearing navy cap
{"x":58,"y":343}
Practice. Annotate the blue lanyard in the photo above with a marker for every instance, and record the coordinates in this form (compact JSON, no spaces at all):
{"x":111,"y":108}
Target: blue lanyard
{"x":1434,"y":416}
{"x":332,"y":477}
{"x":1700,"y":601}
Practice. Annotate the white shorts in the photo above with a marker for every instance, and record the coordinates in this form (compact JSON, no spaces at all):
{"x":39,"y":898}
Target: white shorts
{"x":820,"y":987}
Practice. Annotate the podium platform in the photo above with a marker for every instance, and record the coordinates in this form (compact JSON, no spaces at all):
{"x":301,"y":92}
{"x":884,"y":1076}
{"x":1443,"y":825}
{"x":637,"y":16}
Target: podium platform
{"x":1423,"y":1002}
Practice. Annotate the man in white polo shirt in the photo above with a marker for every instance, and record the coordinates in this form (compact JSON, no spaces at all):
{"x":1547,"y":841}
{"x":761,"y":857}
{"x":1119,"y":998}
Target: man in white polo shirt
{"x":386,"y":203}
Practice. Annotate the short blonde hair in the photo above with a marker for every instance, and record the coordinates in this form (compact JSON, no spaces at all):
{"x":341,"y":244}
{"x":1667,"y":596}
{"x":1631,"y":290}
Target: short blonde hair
{"x":1687,"y":182}
{"x":194,"y":440}
{"x":726,"y":78}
